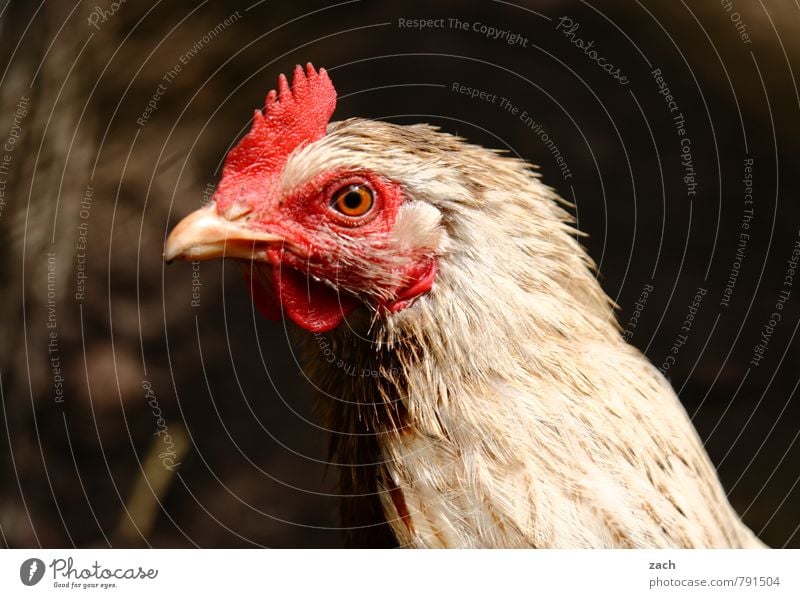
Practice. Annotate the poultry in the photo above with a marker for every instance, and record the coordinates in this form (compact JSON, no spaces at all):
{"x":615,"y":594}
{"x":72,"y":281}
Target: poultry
{"x":472,"y":372}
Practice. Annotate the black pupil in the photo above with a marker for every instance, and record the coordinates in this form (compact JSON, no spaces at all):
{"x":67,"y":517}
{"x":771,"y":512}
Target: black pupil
{"x":352,"y":199}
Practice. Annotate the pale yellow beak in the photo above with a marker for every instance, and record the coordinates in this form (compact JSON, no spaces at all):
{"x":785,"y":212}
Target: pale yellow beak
{"x":205,"y":235}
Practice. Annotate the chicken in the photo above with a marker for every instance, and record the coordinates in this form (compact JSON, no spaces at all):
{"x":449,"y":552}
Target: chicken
{"x":471,"y":367}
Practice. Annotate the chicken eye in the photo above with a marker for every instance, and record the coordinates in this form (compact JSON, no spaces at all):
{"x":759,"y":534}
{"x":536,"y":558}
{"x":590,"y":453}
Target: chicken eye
{"x":353,"y":200}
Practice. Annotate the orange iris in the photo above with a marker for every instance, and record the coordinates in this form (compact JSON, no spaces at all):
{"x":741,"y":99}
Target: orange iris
{"x":353,"y":200}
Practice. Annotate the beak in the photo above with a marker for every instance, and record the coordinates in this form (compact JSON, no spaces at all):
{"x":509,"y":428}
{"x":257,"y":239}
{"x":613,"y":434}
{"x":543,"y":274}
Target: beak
{"x":205,"y":235}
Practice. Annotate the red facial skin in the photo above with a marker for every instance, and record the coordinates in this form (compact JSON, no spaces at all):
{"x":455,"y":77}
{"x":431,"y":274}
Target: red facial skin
{"x":323,"y":244}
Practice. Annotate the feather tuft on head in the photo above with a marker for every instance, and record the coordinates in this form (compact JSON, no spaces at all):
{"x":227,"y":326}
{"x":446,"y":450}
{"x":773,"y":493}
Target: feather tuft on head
{"x":293,"y":117}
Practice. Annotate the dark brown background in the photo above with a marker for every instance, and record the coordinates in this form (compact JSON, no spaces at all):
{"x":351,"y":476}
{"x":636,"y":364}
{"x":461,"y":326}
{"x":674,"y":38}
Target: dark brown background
{"x":254,"y":473}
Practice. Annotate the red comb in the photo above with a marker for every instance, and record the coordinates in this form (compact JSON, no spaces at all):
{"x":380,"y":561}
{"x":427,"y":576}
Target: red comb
{"x":293,"y":117}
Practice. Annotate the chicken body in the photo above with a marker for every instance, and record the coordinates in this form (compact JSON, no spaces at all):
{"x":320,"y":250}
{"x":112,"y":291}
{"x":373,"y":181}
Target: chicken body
{"x":508,"y":410}
{"x":499,"y":406}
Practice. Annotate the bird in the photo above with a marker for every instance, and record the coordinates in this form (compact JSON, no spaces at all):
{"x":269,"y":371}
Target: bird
{"x":472,"y":372}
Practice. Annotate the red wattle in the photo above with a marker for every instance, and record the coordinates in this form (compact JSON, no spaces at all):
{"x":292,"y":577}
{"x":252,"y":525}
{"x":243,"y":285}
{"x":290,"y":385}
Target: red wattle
{"x":312,"y":305}
{"x":259,"y":280}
